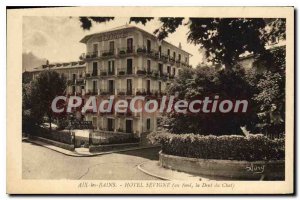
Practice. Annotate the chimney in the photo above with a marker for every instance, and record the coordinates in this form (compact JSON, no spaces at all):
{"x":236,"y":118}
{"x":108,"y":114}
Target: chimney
{"x":179,"y":46}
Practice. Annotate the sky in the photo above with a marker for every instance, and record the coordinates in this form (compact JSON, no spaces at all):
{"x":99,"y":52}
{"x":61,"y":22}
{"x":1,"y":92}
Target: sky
{"x":57,"y":38}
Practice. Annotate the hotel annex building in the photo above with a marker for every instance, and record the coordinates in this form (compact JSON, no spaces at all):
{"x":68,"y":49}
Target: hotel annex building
{"x":122,"y":62}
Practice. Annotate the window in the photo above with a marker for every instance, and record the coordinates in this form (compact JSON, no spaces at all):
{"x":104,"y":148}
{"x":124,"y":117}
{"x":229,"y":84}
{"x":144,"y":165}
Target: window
{"x":94,"y":87}
{"x":148,"y":46}
{"x":169,"y":52}
{"x":111,"y":67}
{"x":129,"y":45}
{"x":160,"y":68}
{"x":129,"y":86}
{"x":148,"y":66}
{"x":148,"y":86}
{"x":73,"y":89}
{"x":129,"y":66}
{"x":111,"y":46}
{"x":73,"y":77}
{"x":110,"y":124}
{"x":128,"y":126}
{"x":111,"y":86}
{"x":174,"y":55}
{"x":179,"y":57}
{"x":159,"y":86}
{"x":95,"y":69}
{"x":186,"y":60}
{"x":95,"y":48}
{"x":148,"y":124}
{"x":174,"y":71}
{"x":169,"y":70}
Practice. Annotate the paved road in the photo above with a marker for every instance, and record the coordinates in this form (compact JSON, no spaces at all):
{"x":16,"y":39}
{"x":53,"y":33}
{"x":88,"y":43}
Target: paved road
{"x":42,"y":163}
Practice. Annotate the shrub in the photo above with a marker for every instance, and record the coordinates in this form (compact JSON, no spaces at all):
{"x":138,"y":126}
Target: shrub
{"x":112,"y":138}
{"x":63,"y":136}
{"x":226,"y":147}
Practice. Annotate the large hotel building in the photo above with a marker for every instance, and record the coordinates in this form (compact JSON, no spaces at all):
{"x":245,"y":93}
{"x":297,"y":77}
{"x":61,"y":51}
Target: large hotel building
{"x":123,"y":62}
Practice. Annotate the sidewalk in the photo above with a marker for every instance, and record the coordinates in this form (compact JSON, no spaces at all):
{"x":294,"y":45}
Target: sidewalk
{"x":153,"y":168}
{"x":82,"y":152}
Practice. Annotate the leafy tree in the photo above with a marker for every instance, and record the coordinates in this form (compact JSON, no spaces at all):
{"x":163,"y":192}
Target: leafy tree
{"x":204,"y":82}
{"x":44,"y":89}
{"x":270,"y":94}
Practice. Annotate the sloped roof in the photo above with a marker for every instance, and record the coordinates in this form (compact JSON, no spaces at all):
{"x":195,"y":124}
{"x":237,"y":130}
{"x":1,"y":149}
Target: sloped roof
{"x":67,"y":65}
{"x":87,"y":37}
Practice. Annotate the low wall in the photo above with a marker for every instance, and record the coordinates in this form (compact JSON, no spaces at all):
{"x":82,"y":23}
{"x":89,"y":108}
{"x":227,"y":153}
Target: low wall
{"x":111,"y":147}
{"x":228,"y":169}
{"x":55,"y":143}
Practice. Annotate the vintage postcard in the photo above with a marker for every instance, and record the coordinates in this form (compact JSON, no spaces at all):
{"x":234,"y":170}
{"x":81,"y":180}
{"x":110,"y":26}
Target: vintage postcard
{"x":150,"y":100}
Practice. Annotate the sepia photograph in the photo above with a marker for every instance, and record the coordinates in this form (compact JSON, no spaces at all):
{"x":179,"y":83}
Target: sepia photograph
{"x":136,"y":101}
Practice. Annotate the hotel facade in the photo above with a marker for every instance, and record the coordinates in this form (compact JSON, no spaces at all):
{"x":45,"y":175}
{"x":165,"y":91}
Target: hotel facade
{"x":124,"y":62}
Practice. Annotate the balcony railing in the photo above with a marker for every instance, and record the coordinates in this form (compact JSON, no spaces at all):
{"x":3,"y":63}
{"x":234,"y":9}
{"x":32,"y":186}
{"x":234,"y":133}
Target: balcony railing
{"x":108,"y":53}
{"x":92,"y":92}
{"x":107,"y":92}
{"x":125,"y":91}
{"x":127,"y":51}
{"x":124,"y":71}
{"x":145,"y":92}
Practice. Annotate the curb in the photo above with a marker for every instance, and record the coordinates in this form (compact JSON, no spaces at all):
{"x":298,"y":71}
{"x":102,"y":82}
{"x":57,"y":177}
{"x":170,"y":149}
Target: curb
{"x":160,"y":172}
{"x":75,"y":154}
{"x":151,"y":174}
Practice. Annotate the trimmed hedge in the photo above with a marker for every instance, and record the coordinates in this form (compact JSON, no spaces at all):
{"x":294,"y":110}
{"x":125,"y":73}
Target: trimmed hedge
{"x":112,"y":138}
{"x":227,"y":147}
{"x":63,"y":136}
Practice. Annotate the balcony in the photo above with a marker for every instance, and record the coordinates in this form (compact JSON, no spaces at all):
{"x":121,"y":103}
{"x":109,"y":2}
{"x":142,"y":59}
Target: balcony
{"x":94,"y":73}
{"x":108,"y":53}
{"x":153,"y":93}
{"x":80,"y":81}
{"x":92,"y":92}
{"x":129,"y":51}
{"x":107,"y":92}
{"x":111,"y":73}
{"x":123,"y":92}
{"x":90,"y":55}
{"x":126,"y":51}
{"x":123,"y":71}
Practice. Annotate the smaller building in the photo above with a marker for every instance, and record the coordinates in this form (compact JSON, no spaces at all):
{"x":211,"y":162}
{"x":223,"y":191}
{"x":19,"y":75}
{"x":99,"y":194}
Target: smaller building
{"x":74,"y":72}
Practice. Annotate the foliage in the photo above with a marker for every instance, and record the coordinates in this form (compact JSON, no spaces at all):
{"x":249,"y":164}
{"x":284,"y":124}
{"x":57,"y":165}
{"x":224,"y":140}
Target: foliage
{"x":86,"y":22}
{"x":142,"y":20}
{"x":204,"y":82}
{"x":116,"y":138}
{"x":271,"y":101}
{"x":234,"y":147}
{"x":38,"y":96}
{"x":59,"y":136}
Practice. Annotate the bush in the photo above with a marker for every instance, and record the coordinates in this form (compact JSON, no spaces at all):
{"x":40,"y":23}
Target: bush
{"x":233,"y":147}
{"x":63,"y":136}
{"x":112,"y":138}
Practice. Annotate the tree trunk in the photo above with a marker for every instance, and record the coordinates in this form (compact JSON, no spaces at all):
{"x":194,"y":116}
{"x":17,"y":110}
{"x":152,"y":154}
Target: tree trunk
{"x":50,"y":122}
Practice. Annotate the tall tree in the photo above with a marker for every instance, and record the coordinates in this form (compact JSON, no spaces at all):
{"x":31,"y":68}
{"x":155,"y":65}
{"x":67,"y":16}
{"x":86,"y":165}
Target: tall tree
{"x":44,"y":89}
